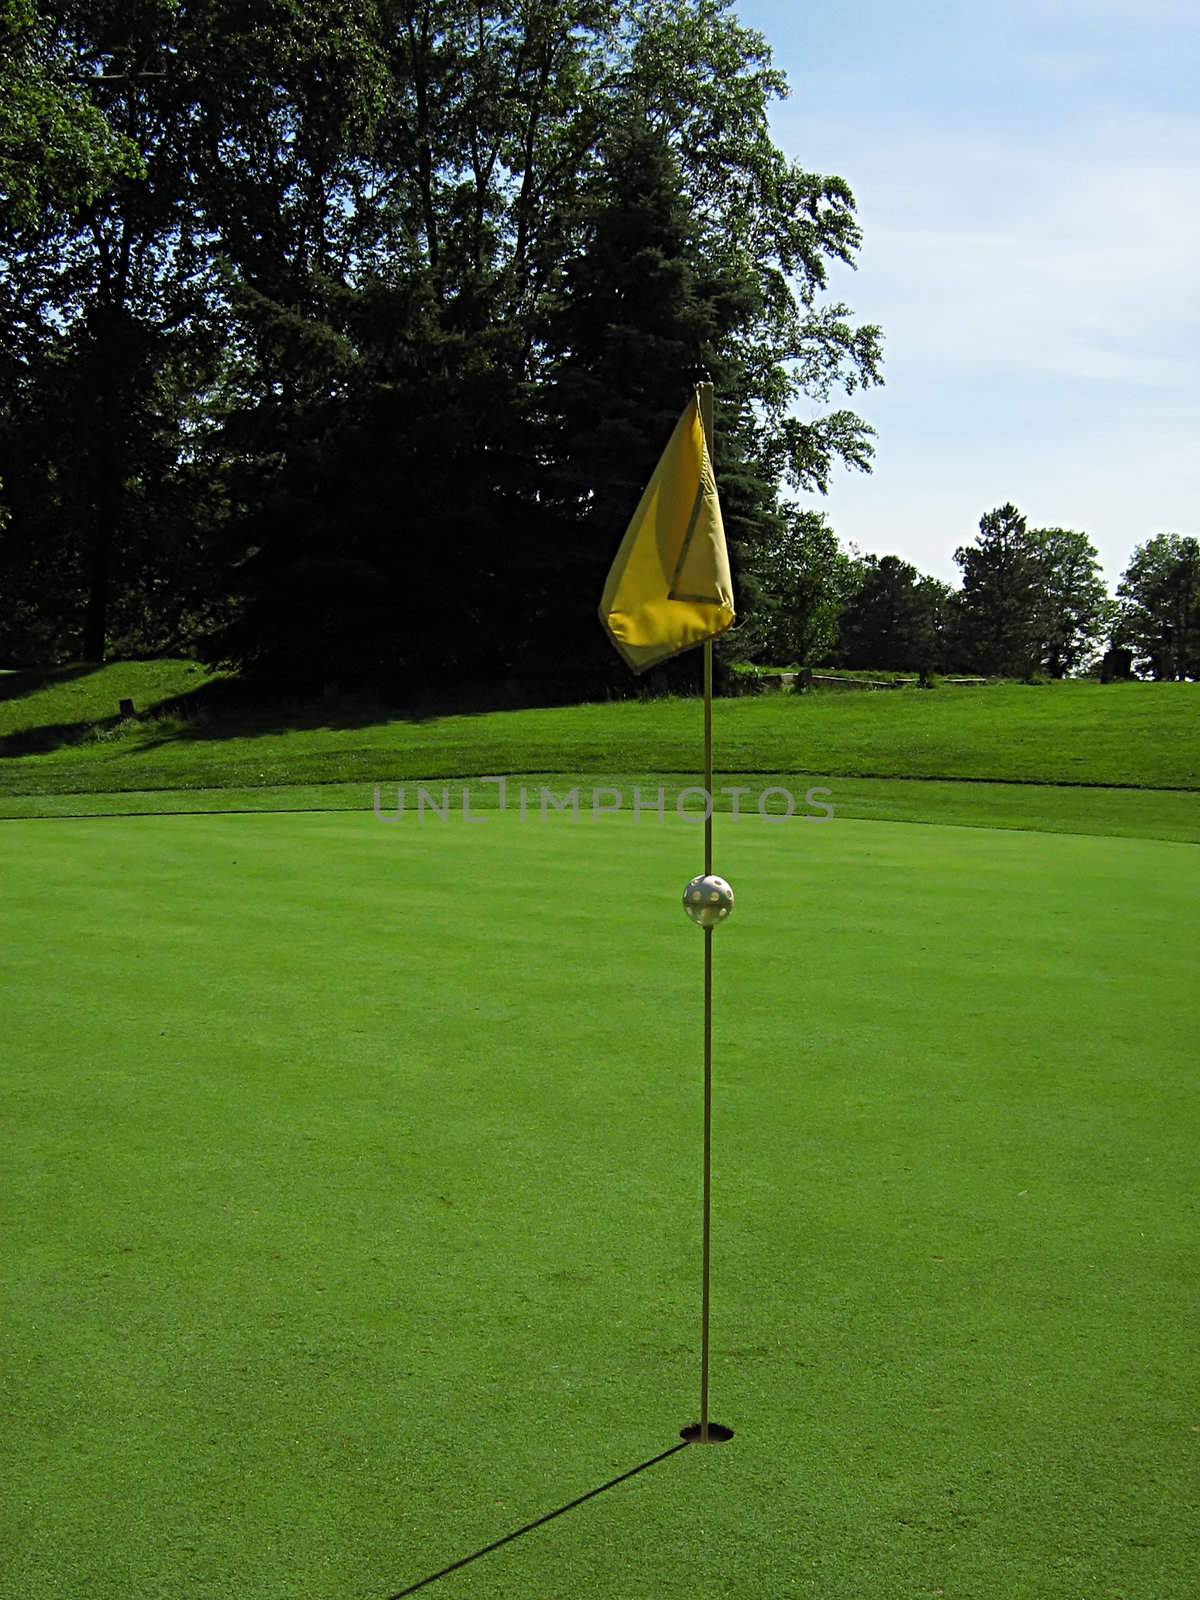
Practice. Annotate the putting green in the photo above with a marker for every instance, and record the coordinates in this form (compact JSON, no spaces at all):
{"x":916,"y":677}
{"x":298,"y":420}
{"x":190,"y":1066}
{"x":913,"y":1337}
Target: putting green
{"x":353,"y":1192}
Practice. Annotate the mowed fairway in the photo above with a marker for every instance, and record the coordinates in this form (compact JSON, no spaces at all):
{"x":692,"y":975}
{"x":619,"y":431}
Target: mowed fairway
{"x":352,"y":1188}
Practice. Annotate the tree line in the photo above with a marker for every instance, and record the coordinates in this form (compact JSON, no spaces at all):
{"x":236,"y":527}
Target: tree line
{"x":337,"y":341}
{"x":1031,"y":602}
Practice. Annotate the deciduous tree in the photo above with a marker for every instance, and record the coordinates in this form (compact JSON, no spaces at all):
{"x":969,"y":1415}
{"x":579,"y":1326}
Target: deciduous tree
{"x":804,"y":579}
{"x":1074,"y":610}
{"x":1159,"y":607}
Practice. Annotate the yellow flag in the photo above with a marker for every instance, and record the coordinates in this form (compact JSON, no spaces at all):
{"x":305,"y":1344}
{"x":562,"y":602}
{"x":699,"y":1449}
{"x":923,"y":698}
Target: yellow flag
{"x":669,"y":587}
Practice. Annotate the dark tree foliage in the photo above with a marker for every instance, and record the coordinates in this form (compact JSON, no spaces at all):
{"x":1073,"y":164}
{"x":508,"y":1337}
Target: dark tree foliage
{"x":1032,"y":600}
{"x":58,"y":150}
{"x":804,"y":580}
{"x":994,"y":618}
{"x":894,"y":620}
{"x":294,"y":363}
{"x":109,"y":338}
{"x":634,"y":323}
{"x":530,"y":296}
{"x":387,"y":547}
{"x":114,"y":511}
{"x":1074,"y":611}
{"x":1159,"y":607}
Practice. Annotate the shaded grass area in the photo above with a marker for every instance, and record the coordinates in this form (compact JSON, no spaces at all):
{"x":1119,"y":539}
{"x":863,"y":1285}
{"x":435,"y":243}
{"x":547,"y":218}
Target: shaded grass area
{"x":353,"y":1177}
{"x":43,"y":710}
{"x":1113,"y":735}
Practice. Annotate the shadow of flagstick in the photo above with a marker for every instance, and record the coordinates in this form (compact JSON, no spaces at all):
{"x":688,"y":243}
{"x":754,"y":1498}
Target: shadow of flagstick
{"x":541,"y":1521}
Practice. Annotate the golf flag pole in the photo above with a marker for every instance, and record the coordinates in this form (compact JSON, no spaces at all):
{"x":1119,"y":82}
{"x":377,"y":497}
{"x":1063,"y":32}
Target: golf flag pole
{"x":706,"y":416}
{"x":708,"y":933}
{"x":669,"y":589}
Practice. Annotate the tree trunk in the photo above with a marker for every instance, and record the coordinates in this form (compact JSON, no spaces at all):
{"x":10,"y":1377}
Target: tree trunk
{"x":95,"y":621}
{"x":106,"y":474}
{"x":114,"y":359}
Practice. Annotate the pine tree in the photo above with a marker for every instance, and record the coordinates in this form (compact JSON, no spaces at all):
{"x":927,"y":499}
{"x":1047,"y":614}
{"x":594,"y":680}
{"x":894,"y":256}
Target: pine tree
{"x":893,"y":622}
{"x":996,"y":613}
{"x":638,"y":318}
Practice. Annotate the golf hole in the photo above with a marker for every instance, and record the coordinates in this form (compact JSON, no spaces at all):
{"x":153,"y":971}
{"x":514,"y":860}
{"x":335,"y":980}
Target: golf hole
{"x":716,"y":1433}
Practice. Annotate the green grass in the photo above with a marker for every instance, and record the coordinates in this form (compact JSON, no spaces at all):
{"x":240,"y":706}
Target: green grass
{"x":1120,"y":735}
{"x":869,"y":674}
{"x":354,"y":1165}
{"x":67,"y":702}
{"x":353,"y":1188}
{"x":1048,"y":808}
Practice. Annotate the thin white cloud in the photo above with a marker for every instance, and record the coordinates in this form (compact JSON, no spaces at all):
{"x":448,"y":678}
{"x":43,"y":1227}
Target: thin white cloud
{"x":1076,"y":12}
{"x":1043,"y":336}
{"x":1028,"y":183}
{"x":972,"y":257}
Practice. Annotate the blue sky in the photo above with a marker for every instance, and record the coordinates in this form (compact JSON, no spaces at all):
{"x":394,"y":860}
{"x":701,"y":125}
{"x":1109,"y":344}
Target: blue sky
{"x":1028,"y":182}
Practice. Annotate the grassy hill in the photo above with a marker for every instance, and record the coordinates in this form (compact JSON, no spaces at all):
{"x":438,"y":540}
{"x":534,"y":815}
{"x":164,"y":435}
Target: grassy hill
{"x":910,"y":754}
{"x":67,"y":703}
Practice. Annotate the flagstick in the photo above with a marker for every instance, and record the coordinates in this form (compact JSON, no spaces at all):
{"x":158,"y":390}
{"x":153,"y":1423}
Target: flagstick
{"x":677,"y":522}
{"x":706,"y":1433}
{"x":708,"y":934}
